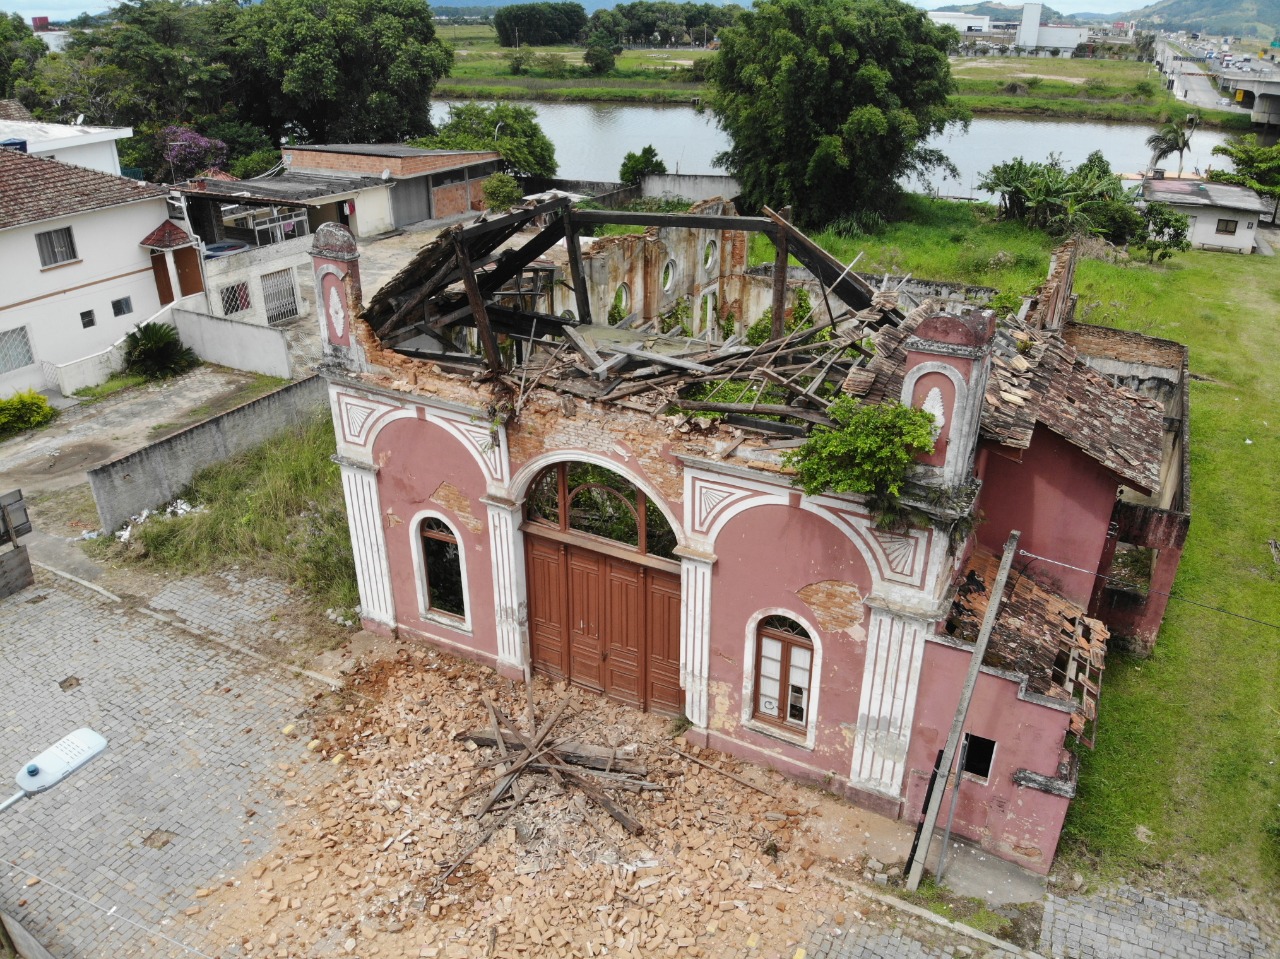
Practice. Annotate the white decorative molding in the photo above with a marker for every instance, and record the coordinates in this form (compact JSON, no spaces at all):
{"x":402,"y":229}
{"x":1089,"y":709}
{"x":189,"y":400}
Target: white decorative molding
{"x":487,"y":447}
{"x":337,"y":312}
{"x":887,"y":703}
{"x":710,"y":498}
{"x":899,"y":551}
{"x":368,"y":543}
{"x":510,"y":596}
{"x":695,"y":638}
{"x":933,"y":405}
{"x":908,"y":563}
{"x":359,"y":417}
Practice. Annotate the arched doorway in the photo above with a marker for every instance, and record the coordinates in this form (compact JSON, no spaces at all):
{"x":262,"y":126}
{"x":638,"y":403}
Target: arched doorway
{"x":604,"y":586}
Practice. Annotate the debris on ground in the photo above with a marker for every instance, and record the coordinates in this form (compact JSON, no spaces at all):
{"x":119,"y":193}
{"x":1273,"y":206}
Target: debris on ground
{"x":470,"y":817}
{"x":179,"y":507}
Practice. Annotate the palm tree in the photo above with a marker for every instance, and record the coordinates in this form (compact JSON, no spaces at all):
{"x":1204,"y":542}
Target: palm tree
{"x":1172,"y":138}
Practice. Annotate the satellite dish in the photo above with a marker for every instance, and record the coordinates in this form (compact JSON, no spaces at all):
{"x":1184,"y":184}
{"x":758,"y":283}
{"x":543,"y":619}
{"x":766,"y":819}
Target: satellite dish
{"x":386,"y":174}
{"x":79,"y":119}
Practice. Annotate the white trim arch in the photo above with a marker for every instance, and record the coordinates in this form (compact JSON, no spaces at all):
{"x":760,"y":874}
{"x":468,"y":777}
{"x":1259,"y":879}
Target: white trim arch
{"x":749,"y":679}
{"x":525,"y":476}
{"x":424,"y":610}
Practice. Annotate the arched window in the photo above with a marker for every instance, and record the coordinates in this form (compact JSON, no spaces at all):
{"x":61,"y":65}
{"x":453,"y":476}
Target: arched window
{"x":784,"y":665}
{"x":444,"y":591}
{"x":585,"y":498}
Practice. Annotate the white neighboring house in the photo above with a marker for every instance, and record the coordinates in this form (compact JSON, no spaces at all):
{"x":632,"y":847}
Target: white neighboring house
{"x":76,"y":278}
{"x":1034,"y":37}
{"x":1223,"y":217}
{"x":91,"y":147}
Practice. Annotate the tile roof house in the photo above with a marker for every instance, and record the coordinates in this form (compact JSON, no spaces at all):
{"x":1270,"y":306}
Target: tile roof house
{"x":77,"y":278}
{"x":562,"y":457}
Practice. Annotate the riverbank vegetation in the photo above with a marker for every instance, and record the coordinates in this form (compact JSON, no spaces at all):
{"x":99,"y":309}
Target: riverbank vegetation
{"x":1183,"y":789}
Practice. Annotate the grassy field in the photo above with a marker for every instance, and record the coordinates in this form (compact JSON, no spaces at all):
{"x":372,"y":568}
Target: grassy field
{"x":1189,"y":741}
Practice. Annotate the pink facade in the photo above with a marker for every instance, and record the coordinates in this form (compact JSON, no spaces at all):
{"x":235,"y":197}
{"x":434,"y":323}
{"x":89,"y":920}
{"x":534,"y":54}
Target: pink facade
{"x":797,"y":633}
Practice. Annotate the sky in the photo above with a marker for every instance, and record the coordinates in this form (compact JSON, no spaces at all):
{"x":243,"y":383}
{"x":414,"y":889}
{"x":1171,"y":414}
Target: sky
{"x":65,"y":9}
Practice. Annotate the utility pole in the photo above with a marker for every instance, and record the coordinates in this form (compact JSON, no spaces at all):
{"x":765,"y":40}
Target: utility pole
{"x":962,"y":711}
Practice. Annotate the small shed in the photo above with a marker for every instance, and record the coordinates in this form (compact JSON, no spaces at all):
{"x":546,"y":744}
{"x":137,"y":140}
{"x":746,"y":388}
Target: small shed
{"x":1223,"y":217}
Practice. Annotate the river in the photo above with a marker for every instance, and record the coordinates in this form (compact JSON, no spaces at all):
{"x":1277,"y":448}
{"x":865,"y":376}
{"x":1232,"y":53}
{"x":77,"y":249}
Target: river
{"x":592,"y":138}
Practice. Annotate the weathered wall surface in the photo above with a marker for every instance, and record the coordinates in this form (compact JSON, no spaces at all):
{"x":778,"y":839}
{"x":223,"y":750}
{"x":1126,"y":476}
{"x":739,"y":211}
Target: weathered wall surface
{"x":228,"y":342}
{"x":1060,"y":499}
{"x":156,"y":474}
{"x":689,"y":186}
{"x":1015,"y":822}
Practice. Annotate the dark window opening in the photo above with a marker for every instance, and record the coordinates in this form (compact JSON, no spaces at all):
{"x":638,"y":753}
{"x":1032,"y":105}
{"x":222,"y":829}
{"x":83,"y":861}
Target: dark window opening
{"x":122,"y":306}
{"x":979,"y":753}
{"x":1228,"y":227}
{"x":585,"y":498}
{"x":87,"y":319}
{"x":442,"y":563}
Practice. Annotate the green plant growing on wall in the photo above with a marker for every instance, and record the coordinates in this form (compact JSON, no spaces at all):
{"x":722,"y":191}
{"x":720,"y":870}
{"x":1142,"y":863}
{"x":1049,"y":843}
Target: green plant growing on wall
{"x":676,"y":319}
{"x":870,"y":451}
{"x":618,"y":308}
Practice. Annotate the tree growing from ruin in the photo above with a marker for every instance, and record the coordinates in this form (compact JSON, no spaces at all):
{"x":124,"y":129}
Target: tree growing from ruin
{"x":828,"y":103}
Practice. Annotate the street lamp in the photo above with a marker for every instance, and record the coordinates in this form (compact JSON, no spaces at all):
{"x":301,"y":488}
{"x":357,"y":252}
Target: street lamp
{"x":56,"y":763}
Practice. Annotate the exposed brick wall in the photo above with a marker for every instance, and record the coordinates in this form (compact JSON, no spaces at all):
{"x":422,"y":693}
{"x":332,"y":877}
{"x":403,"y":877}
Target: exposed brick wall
{"x":449,"y":200}
{"x":458,"y":503}
{"x":1124,"y":345}
{"x":836,"y":605}
{"x":365,"y":165}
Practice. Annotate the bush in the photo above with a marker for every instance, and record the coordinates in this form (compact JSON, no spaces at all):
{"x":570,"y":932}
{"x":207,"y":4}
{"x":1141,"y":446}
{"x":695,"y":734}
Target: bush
{"x":155,"y":351}
{"x":24,"y":411}
{"x":501,"y":191}
{"x":636,"y":166}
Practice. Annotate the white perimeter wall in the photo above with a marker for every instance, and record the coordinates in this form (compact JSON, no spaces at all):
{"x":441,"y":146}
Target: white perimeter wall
{"x":48,"y":302}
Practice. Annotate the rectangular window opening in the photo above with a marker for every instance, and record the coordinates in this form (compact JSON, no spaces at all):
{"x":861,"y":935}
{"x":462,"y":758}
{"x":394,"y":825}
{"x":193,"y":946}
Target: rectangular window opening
{"x":979,"y":753}
{"x":1228,"y":227}
{"x":235,"y":298}
{"x":87,"y":320}
{"x":56,"y":246}
{"x":15,"y":350}
{"x":122,"y":306}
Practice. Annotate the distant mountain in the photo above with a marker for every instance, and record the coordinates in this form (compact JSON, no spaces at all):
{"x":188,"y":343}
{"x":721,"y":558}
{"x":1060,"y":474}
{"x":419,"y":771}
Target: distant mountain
{"x":999,"y":11}
{"x":1240,"y":18}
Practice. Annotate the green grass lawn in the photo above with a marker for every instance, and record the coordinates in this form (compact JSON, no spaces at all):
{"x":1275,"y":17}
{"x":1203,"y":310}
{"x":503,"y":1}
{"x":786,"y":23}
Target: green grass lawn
{"x":1189,"y":740}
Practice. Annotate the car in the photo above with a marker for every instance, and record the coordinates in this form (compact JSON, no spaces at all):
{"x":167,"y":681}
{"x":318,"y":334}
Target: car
{"x":1224,"y":102}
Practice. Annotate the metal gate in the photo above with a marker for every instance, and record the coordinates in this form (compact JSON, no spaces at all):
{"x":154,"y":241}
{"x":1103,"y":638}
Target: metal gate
{"x":279,"y":296}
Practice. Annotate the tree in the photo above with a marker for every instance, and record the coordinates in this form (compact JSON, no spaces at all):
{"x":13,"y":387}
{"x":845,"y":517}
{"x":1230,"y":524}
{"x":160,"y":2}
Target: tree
{"x":828,"y":103}
{"x":1256,"y":167}
{"x":20,"y":50}
{"x":636,"y":166}
{"x":188,"y":152}
{"x":599,"y":56}
{"x":501,"y":191}
{"x":1165,"y":233}
{"x":357,"y":71}
{"x":539,"y":24}
{"x":1172,"y":138}
{"x":511,"y":130}
{"x":1087,"y":200}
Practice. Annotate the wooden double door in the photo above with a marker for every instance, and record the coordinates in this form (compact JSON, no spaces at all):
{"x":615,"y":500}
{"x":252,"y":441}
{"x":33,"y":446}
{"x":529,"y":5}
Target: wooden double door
{"x":605,"y":623}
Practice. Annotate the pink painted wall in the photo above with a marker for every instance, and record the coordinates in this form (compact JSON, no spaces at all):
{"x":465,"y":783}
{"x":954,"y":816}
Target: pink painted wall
{"x":415,"y":458}
{"x":1012,"y":821}
{"x":765,"y":556}
{"x":1060,"y":499}
{"x":947,"y":389}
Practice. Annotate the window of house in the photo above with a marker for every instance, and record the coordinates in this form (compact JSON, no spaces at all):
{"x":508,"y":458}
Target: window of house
{"x":56,"y":246}
{"x":586,"y":498}
{"x":442,"y":569}
{"x":978,"y":755}
{"x":15,"y":350}
{"x":87,"y":320}
{"x":235,"y":298}
{"x":1228,"y":227}
{"x":784,"y":664}
{"x":122,"y":306}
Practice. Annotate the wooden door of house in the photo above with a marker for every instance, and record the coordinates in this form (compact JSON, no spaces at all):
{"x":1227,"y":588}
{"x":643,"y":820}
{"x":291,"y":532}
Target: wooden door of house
{"x":604,"y":589}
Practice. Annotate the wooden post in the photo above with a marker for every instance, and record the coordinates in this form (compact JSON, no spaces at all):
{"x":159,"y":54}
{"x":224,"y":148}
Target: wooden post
{"x":487,"y":340}
{"x":962,"y":711}
{"x":576,"y":276}
{"x":780,"y":280}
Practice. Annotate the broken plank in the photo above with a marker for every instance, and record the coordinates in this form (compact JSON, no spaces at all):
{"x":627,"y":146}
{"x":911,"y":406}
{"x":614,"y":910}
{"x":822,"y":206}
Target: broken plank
{"x":579,"y":343}
{"x":659,"y":358}
{"x":723,"y":772}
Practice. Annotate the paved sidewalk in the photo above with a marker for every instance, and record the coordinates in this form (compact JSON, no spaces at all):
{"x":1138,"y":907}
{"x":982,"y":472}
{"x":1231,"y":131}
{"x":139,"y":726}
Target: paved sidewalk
{"x":1128,"y":924}
{"x":190,"y":788}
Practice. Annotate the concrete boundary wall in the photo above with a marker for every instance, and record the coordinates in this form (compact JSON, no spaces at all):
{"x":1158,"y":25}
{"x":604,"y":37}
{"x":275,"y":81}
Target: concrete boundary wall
{"x":156,"y":474}
{"x":690,"y":186}
{"x":234,"y":343}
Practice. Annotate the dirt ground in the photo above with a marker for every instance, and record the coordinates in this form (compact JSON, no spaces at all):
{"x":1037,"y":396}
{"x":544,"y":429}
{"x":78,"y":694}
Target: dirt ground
{"x":720,"y":867}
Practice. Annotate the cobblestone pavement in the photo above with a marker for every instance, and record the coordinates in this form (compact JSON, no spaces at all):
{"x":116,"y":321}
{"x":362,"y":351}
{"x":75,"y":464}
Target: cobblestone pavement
{"x":189,"y":789}
{"x":1128,"y":924}
{"x":899,"y":936}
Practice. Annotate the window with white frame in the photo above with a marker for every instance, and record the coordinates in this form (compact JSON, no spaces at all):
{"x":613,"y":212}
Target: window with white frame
{"x":235,"y":298}
{"x":15,"y":350}
{"x":122,"y":306}
{"x":784,"y":668}
{"x":445,"y":592}
{"x":56,"y":246}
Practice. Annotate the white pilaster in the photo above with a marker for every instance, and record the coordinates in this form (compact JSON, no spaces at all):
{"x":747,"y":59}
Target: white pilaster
{"x":509,"y":591}
{"x":695,"y":637}
{"x":886,"y":708}
{"x":368,"y":542}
